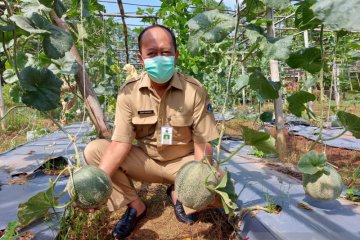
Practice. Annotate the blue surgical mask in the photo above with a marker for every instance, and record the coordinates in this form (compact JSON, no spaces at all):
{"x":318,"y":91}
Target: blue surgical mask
{"x":160,"y":68}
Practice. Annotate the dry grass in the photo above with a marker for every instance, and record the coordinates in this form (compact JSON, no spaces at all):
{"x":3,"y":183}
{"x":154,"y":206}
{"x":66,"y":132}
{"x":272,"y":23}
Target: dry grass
{"x":159,"y":223}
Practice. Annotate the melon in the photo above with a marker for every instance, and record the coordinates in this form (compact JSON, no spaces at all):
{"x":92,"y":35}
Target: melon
{"x":323,"y":187}
{"x":190,"y":184}
{"x":91,"y":187}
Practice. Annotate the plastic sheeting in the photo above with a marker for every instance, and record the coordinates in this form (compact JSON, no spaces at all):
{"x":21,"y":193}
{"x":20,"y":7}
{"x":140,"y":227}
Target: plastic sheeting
{"x":260,"y":185}
{"x":26,"y":159}
{"x":346,"y":141}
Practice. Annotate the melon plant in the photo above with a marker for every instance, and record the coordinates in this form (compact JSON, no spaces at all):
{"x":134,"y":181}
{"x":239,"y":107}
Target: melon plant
{"x":190,"y":184}
{"x":90,"y":187}
{"x":320,"y":180}
{"x":197,"y":184}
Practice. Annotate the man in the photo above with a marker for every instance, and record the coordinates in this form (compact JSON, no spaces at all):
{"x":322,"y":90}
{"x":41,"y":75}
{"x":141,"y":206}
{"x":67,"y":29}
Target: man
{"x":169,"y":115}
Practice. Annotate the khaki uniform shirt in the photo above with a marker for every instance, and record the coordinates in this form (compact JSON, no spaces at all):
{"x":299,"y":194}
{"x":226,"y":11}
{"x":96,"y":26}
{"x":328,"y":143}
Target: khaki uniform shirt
{"x":140,"y":114}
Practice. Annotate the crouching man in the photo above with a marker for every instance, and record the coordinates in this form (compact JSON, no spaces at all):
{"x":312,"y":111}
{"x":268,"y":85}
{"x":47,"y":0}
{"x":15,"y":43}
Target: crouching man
{"x":170,"y":116}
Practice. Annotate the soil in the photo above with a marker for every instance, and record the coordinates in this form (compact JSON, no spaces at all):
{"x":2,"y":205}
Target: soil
{"x":344,"y":160}
{"x":160,"y":221}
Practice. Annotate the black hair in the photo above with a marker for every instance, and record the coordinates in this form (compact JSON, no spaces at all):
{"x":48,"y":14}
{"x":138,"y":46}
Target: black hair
{"x":160,"y":26}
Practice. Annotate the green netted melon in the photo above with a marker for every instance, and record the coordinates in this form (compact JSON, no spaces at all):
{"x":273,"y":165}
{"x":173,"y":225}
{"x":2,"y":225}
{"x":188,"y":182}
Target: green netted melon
{"x":92,"y":187}
{"x":323,"y":187}
{"x":190,"y":184}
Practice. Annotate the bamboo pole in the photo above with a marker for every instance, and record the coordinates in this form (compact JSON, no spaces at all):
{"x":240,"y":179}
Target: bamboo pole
{"x":122,"y":12}
{"x":82,"y":79}
{"x":278,"y":103}
{"x":2,"y":106}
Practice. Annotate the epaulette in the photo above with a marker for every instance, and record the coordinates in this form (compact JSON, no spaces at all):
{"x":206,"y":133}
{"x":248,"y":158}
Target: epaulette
{"x":130,"y":81}
{"x":192,"y":80}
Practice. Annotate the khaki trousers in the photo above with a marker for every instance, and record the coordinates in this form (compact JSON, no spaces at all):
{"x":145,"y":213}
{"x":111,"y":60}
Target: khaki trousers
{"x":137,"y":166}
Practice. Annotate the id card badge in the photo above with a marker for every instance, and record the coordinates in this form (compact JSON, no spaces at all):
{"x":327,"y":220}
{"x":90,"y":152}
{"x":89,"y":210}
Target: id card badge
{"x":166,"y":135}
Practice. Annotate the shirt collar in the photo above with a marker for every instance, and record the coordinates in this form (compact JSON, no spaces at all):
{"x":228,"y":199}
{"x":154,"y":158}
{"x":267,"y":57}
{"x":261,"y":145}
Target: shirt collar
{"x":174,"y":82}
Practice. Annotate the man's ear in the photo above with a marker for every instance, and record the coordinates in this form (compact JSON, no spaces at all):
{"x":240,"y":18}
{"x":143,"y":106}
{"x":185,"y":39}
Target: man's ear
{"x":176,"y":55}
{"x":141,"y":60}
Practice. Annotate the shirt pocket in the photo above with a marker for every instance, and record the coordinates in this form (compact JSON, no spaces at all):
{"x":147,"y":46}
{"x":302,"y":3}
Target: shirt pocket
{"x":181,"y":128}
{"x":144,"y":126}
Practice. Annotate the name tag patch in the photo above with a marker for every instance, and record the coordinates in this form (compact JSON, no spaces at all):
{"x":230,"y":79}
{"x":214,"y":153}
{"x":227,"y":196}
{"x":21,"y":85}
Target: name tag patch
{"x":146,"y":112}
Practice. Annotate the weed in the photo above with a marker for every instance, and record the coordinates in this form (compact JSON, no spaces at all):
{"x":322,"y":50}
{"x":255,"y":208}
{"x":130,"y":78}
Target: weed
{"x":353,"y":194}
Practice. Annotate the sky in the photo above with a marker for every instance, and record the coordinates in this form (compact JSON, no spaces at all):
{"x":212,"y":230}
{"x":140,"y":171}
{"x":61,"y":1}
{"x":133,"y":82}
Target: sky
{"x":112,"y":7}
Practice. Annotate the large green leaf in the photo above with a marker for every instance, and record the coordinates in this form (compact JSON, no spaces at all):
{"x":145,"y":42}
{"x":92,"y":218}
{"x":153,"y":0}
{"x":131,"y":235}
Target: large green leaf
{"x":241,"y":82}
{"x":30,"y":6}
{"x":273,"y":48}
{"x":9,"y":76}
{"x":308,"y":59}
{"x":47,"y":3}
{"x":252,"y":8}
{"x":226,"y":190}
{"x":276,"y":4}
{"x":40,"y":22}
{"x":350,"y":122}
{"x":36,"y":207}
{"x":57,"y":43}
{"x":260,"y":140}
{"x":59,"y":8}
{"x":276,"y":48}
{"x":305,"y":17}
{"x":262,"y":86}
{"x":27,"y":25}
{"x":66,"y":65}
{"x":339,"y":14}
{"x":42,"y":88}
{"x":210,"y":26}
{"x":297,"y":102}
{"x":312,"y":162}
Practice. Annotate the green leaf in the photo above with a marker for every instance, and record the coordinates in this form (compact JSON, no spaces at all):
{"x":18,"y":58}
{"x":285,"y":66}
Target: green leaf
{"x":312,"y":162}
{"x":15,"y":93}
{"x":350,"y":122}
{"x":276,"y":4}
{"x":9,"y":76}
{"x":262,"y":86}
{"x":226,"y":190}
{"x":59,"y":8}
{"x":241,"y":82}
{"x":40,"y":21}
{"x":338,"y":15}
{"x":276,"y":48}
{"x":308,"y":59}
{"x":273,"y":48}
{"x":252,"y":8}
{"x":5,"y":25}
{"x":42,"y":88}
{"x":36,"y":207}
{"x":66,"y":65}
{"x":210,"y":26}
{"x":10,"y":231}
{"x":30,"y":6}
{"x":260,"y":140}
{"x":47,"y":3}
{"x":305,"y":17}
{"x":27,"y":25}
{"x":57,"y":43}
{"x":266,"y":116}
{"x":297,"y":102}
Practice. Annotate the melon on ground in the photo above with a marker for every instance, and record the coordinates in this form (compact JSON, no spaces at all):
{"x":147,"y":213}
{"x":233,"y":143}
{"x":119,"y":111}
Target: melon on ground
{"x":91,"y":187}
{"x":190,"y":184}
{"x":324,"y":187}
